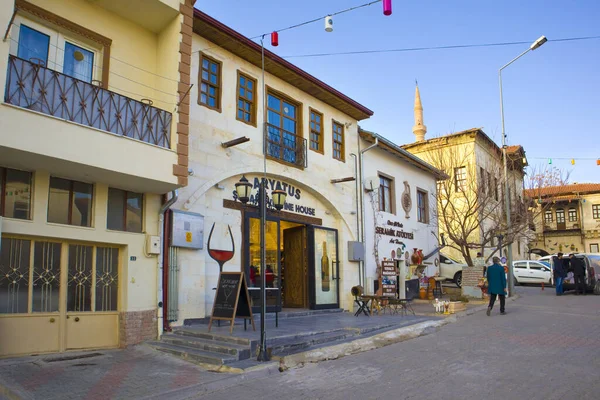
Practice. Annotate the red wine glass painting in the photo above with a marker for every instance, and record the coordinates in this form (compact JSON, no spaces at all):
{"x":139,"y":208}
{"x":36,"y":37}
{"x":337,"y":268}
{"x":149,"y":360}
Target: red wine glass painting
{"x":218,"y":246}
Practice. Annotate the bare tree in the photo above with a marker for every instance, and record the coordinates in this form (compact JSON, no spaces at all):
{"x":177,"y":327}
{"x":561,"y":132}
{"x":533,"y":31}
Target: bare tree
{"x":470,"y":209}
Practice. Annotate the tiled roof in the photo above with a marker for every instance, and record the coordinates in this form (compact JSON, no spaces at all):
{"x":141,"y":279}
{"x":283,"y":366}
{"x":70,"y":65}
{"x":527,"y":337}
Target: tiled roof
{"x":513,"y":149}
{"x":580,"y":188}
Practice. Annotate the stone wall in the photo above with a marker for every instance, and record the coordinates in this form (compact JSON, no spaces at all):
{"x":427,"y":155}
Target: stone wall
{"x":470,"y":278}
{"x":136,"y":327}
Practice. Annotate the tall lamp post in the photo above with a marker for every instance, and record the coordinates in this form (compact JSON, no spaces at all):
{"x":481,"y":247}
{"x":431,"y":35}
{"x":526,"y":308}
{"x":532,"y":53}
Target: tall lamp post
{"x":534,"y":46}
{"x":243,"y":189}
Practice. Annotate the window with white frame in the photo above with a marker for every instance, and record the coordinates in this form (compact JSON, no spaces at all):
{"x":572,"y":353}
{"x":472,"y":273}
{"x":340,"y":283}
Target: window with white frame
{"x":50,"y":48}
{"x":460,"y":178}
{"x":422,"y":206}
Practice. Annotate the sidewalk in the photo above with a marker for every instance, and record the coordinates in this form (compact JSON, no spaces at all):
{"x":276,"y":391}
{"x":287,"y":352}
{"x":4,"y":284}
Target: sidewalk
{"x":136,"y":373}
{"x":144,"y":373}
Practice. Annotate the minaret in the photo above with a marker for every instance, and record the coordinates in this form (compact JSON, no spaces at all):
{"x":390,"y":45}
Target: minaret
{"x":419,"y":129}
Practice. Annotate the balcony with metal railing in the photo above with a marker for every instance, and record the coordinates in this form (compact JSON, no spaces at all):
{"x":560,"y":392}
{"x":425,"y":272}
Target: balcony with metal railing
{"x":69,"y":127}
{"x":35,"y":87}
{"x":285,"y":147}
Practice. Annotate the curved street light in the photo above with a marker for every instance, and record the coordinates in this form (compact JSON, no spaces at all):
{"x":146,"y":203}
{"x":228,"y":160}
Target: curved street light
{"x":535,"y":45}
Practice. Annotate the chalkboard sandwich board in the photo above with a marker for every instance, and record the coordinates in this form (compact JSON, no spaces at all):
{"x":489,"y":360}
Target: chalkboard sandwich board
{"x":231,"y":299}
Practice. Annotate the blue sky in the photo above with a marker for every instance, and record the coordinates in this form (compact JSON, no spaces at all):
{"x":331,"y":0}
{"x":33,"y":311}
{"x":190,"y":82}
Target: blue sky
{"x":552,"y":95}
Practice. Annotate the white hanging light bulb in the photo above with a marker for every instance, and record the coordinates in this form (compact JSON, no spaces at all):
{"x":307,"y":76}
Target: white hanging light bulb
{"x":328,"y":23}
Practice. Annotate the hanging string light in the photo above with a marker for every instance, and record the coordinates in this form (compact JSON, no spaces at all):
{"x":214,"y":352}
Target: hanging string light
{"x":572,"y":161}
{"x":274,"y":39}
{"x":387,"y":7}
{"x":328,"y":24}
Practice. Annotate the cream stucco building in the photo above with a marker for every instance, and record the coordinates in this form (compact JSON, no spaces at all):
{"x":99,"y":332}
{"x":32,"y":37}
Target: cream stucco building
{"x":311,"y":133}
{"x":398,"y":191}
{"x":567,"y":220}
{"x":470,"y":204}
{"x":93,"y":134}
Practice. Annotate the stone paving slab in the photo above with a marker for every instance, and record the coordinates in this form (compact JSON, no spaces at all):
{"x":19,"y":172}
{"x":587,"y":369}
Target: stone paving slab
{"x":136,"y":373}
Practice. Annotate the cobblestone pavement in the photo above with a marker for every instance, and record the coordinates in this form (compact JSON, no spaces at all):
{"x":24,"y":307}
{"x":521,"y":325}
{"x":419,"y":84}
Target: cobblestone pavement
{"x":546,"y":347}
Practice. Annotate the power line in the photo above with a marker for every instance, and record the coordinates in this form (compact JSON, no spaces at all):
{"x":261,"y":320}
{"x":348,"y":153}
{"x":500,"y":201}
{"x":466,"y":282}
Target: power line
{"x":458,"y":46}
{"x":298,"y":25}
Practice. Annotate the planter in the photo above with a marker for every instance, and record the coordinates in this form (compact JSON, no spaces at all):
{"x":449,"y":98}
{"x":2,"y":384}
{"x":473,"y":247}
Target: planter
{"x":456,"y":306}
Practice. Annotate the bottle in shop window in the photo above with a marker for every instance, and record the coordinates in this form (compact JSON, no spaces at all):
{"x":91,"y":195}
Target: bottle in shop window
{"x":325,"y":271}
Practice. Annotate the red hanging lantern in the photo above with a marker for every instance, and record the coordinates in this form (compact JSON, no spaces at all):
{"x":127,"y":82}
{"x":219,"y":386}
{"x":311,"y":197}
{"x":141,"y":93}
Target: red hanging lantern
{"x":274,"y":39}
{"x":387,"y":7}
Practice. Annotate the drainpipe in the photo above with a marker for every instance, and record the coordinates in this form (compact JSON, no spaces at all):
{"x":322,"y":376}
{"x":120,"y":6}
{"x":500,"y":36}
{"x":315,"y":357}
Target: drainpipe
{"x":356,"y":178}
{"x":362,"y":225}
{"x":163,"y":264}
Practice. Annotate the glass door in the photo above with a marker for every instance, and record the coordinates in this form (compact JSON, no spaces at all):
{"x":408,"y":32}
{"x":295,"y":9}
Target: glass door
{"x":324,"y":268}
{"x":252,"y":263}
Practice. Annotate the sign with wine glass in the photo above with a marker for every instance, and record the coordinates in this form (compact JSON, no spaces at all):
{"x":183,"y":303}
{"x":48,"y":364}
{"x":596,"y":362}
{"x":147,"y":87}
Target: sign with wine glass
{"x":231,"y":300}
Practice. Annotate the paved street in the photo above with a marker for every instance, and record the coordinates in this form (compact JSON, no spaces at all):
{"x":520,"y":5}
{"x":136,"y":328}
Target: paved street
{"x":546,"y":347}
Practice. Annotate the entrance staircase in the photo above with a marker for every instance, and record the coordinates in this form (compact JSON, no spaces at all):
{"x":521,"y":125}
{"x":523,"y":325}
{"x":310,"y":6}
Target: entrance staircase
{"x":194,"y":344}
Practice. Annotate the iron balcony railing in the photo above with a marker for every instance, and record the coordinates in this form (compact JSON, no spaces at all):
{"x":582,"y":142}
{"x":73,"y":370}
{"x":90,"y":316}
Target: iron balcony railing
{"x":285,"y":146}
{"x":35,"y":87}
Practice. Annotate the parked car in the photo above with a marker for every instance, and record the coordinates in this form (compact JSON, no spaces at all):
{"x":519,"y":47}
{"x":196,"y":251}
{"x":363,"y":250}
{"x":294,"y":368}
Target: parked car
{"x":529,"y":271}
{"x":592,"y":264}
{"x":451,"y":269}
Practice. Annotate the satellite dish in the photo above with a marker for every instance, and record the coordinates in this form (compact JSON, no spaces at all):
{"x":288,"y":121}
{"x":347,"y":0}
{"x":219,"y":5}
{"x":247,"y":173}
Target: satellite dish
{"x":371,"y":183}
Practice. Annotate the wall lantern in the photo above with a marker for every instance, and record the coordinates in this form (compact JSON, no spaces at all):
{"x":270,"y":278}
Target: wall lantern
{"x":243,"y":189}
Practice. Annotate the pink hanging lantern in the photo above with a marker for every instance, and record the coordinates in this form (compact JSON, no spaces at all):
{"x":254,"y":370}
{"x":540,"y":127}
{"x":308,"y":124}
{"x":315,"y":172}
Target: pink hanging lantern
{"x":274,"y":39}
{"x":387,"y":7}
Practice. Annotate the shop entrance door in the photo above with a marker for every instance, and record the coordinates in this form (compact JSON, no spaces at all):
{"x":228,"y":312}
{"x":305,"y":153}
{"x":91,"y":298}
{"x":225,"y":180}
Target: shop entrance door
{"x":324,"y":268}
{"x":295,"y":268}
{"x":57,"y":296}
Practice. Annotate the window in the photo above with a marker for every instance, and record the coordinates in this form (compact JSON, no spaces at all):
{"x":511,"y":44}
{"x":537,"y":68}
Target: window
{"x":460,"y":178}
{"x":521,"y":265}
{"x":560,"y":216}
{"x":482,"y":185}
{"x":422,"y":206}
{"x":246,"y":107}
{"x":548,"y":217}
{"x":316,"y":131}
{"x":37,"y":43}
{"x":489,"y":184}
{"x":385,"y":194}
{"x":78,"y":62}
{"x":210,"y":82}
{"x":572,"y":215}
{"x":15,"y":190}
{"x":594,"y":248}
{"x":496,"y":188}
{"x":283,"y":119}
{"x":596,"y":211}
{"x":536,"y":266}
{"x":70,"y":202}
{"x":124,"y":211}
{"x":338,"y":142}
{"x":33,"y":45}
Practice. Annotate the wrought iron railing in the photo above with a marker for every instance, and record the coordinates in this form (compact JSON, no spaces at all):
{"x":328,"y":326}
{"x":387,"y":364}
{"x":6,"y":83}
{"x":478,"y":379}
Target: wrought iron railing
{"x":286,"y":146}
{"x":35,"y":87}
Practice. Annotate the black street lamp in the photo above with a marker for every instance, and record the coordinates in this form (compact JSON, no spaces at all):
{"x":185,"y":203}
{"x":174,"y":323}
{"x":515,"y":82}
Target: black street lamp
{"x":243,"y":189}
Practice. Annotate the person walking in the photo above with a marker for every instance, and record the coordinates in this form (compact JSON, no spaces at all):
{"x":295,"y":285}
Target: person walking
{"x":496,"y":285}
{"x":578,"y":267}
{"x":559,"y":273}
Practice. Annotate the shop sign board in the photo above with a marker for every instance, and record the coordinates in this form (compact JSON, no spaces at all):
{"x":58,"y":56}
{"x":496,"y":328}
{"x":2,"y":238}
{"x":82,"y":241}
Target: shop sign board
{"x":389,"y":278}
{"x":231,"y":299}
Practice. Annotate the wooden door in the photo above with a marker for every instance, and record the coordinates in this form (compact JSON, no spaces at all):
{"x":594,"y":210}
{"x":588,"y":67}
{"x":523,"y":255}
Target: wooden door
{"x":295,"y":272}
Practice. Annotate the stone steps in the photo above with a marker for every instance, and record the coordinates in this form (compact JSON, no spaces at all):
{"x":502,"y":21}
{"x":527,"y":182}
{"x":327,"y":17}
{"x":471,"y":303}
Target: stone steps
{"x":241,"y":351}
{"x":194,"y":355}
{"x":268,"y":316}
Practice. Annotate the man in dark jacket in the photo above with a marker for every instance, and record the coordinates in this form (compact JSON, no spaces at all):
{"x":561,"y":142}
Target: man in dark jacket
{"x":559,"y":273}
{"x":496,"y":285}
{"x":578,"y":267}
